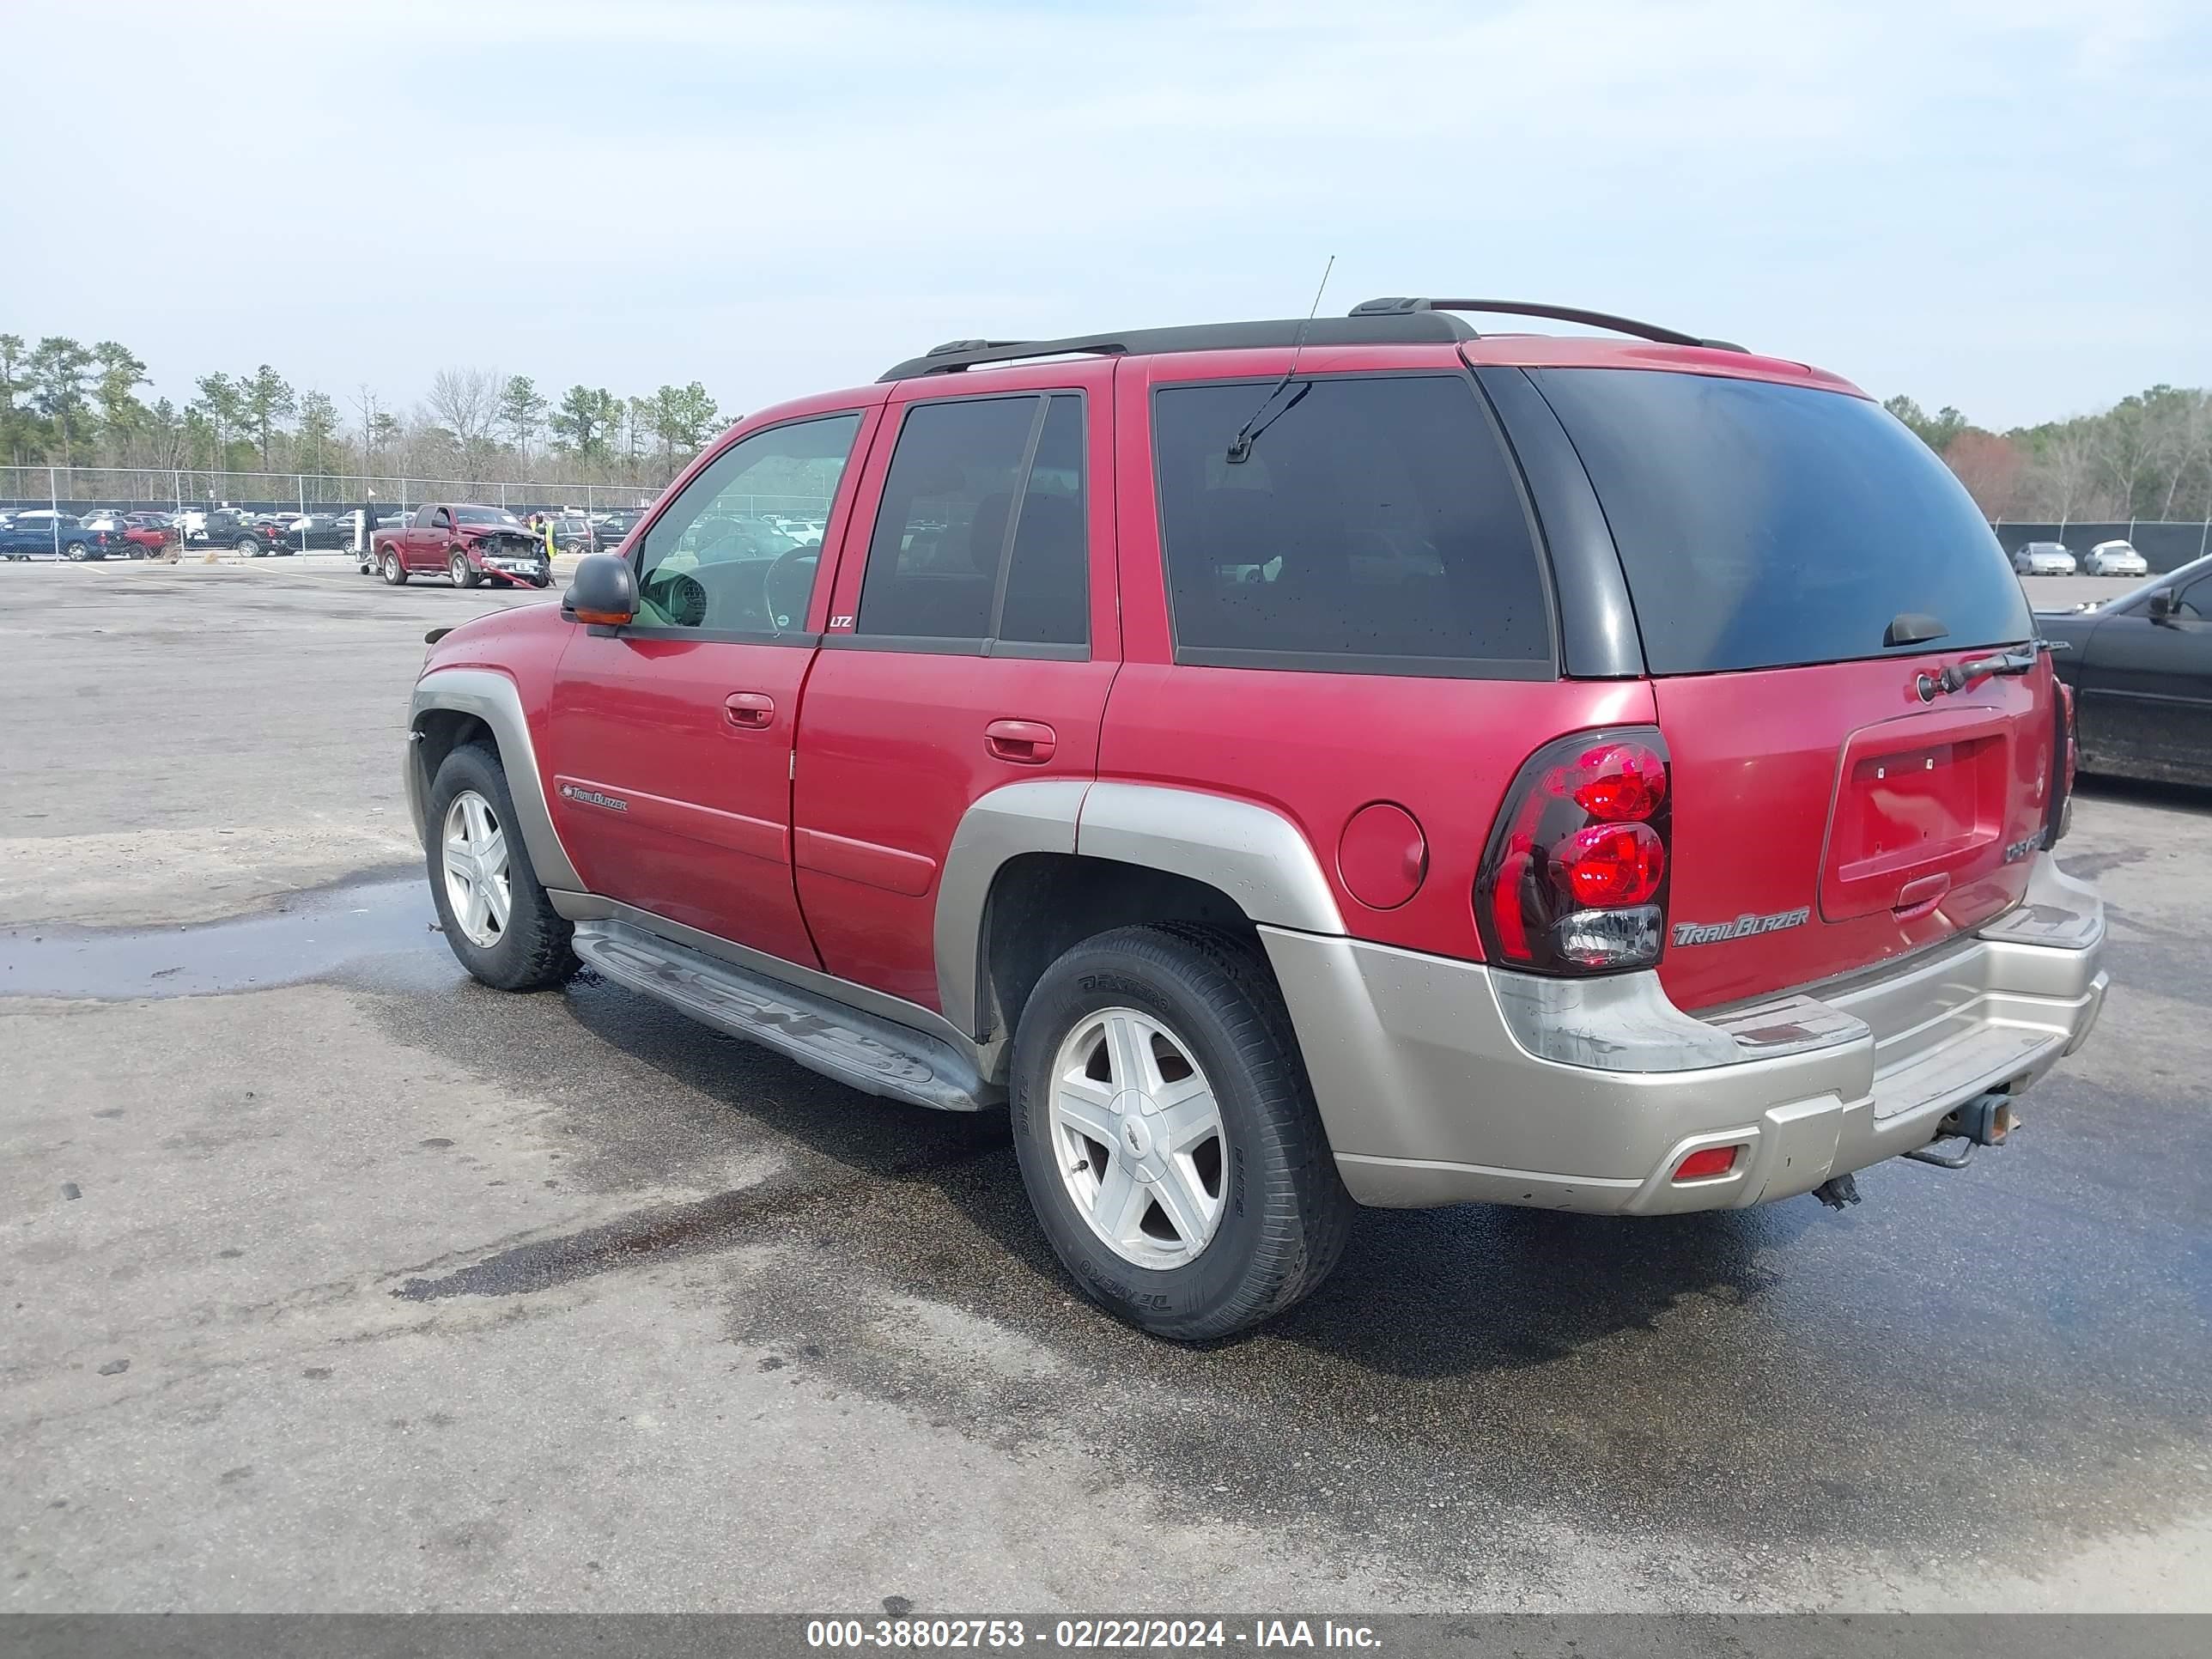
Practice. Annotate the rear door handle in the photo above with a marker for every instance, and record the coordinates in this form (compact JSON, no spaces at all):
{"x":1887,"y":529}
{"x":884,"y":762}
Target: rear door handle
{"x":749,"y":711}
{"x":1025,"y":742}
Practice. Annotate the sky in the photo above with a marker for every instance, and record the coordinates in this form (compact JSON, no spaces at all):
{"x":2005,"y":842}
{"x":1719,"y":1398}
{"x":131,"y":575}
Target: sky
{"x":2004,"y":205}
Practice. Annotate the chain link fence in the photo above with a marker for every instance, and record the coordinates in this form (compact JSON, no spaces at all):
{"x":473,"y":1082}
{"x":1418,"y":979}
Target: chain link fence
{"x":2165,"y":544}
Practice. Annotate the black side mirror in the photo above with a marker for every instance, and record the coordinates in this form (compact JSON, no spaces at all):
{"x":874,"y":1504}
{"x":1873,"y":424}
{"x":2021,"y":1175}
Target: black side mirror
{"x":605,"y":592}
{"x":2163,"y":604}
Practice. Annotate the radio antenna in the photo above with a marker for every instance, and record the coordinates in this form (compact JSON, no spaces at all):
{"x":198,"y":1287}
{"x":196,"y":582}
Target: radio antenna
{"x":1240,"y":446}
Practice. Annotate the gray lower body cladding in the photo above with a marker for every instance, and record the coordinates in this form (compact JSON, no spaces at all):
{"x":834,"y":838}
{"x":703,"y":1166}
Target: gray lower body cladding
{"x":1439,"y":1081}
{"x":1445,"y":1082}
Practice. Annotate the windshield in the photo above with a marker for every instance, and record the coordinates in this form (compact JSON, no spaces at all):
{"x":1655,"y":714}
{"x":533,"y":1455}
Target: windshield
{"x":485,"y":515}
{"x":1762,"y":525}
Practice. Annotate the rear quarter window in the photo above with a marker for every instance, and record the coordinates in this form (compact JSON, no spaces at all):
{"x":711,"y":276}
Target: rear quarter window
{"x":1375,"y":526}
{"x":1762,"y":525}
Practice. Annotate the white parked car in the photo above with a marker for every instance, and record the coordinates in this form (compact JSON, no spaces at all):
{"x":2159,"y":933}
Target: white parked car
{"x":2114,"y":559}
{"x":2043,"y":559}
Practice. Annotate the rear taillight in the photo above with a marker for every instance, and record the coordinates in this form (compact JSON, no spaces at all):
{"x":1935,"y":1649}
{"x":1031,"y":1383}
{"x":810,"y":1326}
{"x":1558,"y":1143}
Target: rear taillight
{"x":1574,"y":880}
{"x":2065,"y":759}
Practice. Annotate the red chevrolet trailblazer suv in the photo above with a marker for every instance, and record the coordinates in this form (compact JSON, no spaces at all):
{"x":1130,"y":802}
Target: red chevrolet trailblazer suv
{"x":1296,"y":765}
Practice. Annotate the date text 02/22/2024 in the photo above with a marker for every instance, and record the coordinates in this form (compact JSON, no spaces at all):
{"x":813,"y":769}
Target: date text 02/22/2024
{"x":1112,"y":1635}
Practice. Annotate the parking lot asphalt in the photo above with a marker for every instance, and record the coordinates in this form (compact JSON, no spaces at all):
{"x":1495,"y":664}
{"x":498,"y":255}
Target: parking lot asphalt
{"x":335,"y":1281}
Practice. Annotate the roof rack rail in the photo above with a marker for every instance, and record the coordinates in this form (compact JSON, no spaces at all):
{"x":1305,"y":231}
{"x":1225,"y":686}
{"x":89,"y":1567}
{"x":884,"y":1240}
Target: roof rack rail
{"x":952,"y":348}
{"x":1424,"y":325}
{"x":1410,"y":307}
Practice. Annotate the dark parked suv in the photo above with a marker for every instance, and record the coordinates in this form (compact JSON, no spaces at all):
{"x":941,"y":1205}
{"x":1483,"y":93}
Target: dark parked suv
{"x":1291,"y":766}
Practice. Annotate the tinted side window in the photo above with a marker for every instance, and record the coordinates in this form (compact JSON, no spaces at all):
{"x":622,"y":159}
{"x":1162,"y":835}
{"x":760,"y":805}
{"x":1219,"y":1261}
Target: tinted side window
{"x":2195,"y":601}
{"x":712,"y":560}
{"x":1047,"y":597}
{"x":941,"y":532}
{"x":1375,"y":526}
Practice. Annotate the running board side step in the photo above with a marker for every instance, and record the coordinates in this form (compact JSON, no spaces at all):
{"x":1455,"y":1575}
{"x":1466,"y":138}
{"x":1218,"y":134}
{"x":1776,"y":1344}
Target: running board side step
{"x":878,"y":1056}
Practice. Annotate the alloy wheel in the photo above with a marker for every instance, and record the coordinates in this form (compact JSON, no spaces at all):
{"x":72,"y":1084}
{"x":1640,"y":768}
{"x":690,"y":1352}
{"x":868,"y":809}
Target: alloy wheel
{"x":1138,"y":1138}
{"x":475,"y":850}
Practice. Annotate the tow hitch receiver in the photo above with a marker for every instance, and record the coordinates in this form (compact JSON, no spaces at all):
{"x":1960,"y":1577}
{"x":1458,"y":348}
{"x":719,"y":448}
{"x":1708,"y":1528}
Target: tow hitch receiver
{"x":1984,"y":1121}
{"x":1837,"y":1191}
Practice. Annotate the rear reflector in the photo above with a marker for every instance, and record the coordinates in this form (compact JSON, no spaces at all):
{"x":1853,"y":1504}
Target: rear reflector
{"x":1713,"y":1161}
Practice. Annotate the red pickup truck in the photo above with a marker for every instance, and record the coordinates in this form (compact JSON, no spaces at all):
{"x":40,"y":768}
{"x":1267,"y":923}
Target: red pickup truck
{"x":466,"y":543}
{"x":1295,"y":767}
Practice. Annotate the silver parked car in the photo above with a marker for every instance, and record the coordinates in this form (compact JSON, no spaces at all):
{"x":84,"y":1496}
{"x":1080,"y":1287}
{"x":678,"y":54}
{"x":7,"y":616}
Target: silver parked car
{"x":2043,"y":559}
{"x":2114,"y":559}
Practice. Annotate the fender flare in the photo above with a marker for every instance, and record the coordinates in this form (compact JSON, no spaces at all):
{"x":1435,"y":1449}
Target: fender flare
{"x":1015,"y":818}
{"x":492,"y":698}
{"x":1252,"y":854}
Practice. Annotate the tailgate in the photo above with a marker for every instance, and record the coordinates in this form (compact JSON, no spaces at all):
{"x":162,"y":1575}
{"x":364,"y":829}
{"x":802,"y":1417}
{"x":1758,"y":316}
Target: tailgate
{"x":1826,"y":820}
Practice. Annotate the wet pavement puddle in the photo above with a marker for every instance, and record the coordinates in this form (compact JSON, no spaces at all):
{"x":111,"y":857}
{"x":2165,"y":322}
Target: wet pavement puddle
{"x":679,"y":1230}
{"x":374,"y":925}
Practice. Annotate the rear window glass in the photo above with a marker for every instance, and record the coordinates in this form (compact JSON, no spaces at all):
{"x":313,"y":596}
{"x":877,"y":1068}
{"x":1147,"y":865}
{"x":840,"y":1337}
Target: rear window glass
{"x":1763,"y":526}
{"x":1374,"y":526}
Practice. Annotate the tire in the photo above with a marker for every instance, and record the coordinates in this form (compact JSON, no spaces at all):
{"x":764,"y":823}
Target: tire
{"x":248,"y":546}
{"x":1281,"y":1213}
{"x":457,"y":570}
{"x":395,"y":574}
{"x":75,"y":552}
{"x":530,"y":947}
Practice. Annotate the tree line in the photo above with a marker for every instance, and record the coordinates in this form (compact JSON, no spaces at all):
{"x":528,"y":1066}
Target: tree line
{"x":2150,"y":456}
{"x":64,"y":404}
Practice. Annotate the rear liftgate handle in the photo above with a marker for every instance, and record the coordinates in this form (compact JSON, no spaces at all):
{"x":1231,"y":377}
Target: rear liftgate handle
{"x":1916,"y":898}
{"x":1025,"y":742}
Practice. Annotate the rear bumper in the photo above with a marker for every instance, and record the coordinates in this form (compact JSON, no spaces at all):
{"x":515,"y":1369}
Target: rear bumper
{"x":1443,"y":1082}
